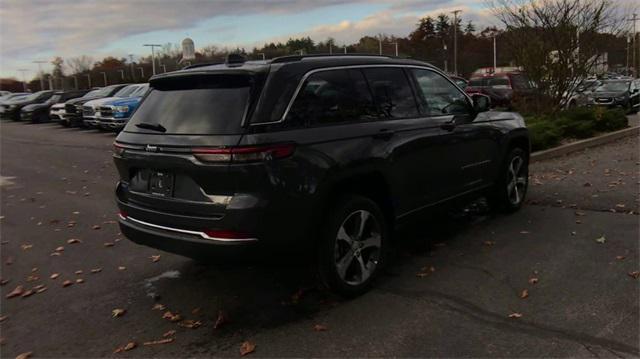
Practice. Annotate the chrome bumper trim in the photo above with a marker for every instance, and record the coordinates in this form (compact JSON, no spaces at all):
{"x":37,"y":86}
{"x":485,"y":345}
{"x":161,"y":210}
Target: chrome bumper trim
{"x":186,"y":231}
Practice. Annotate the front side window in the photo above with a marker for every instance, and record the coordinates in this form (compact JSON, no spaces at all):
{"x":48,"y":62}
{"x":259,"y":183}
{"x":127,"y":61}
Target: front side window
{"x":391,"y":92}
{"x":333,"y":96}
{"x":438,"y":95}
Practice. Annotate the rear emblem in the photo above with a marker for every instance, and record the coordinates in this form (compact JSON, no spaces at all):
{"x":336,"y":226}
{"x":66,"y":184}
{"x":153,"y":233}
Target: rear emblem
{"x":150,"y":148}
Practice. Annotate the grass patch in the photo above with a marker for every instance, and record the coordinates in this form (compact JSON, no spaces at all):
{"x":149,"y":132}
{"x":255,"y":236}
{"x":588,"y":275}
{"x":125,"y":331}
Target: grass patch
{"x":547,"y":131}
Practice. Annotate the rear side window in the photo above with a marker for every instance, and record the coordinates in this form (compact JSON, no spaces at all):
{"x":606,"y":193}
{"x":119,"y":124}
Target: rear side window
{"x":391,"y":92}
{"x":204,"y":104}
{"x":520,"y":82}
{"x":499,"y":83}
{"x":438,"y":95}
{"x":333,"y":96}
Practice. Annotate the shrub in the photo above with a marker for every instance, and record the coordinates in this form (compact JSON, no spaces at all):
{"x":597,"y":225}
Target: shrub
{"x":548,"y":130}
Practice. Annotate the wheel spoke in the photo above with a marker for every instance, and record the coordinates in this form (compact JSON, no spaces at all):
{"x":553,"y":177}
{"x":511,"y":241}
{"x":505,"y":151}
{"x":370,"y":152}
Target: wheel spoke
{"x":364,"y":270}
{"x":521,"y":181}
{"x":344,"y":263}
{"x":343,"y":236}
{"x":371,"y":242}
{"x":517,"y":195}
{"x":362,"y":221}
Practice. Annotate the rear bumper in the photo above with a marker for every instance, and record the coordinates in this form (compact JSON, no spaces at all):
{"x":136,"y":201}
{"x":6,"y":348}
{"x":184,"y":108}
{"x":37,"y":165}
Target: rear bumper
{"x":112,"y":123}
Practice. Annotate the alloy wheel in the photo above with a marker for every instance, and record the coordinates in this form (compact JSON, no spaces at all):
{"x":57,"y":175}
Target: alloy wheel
{"x":357,"y":247}
{"x":516,"y":180}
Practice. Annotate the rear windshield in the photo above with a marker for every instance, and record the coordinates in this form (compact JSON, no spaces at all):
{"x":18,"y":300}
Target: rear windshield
{"x":204,"y":104}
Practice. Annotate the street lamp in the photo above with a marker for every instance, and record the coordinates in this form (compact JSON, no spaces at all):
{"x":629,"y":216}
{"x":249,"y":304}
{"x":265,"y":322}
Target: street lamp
{"x":164,"y":68}
{"x":24,"y":80}
{"x":455,"y":40}
{"x":263,"y":55}
{"x":89,"y":79}
{"x":380,"y":44}
{"x":141,"y":71}
{"x":104,"y":76}
{"x":153,"y":56}
{"x":396,"y":45}
{"x":40,"y":62}
{"x":345,"y":49}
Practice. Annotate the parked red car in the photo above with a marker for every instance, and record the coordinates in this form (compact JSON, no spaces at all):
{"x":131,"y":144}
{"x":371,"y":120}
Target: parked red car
{"x":501,"y":87}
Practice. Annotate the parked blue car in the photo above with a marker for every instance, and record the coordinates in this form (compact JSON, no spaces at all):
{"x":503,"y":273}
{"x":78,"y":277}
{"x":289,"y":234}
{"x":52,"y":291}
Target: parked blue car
{"x":113,"y":115}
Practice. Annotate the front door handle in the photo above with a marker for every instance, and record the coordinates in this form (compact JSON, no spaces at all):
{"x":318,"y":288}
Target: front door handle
{"x":384,"y":135}
{"x":448,"y":126}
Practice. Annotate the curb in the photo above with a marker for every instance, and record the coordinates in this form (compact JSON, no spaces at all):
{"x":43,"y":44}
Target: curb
{"x":583,"y":144}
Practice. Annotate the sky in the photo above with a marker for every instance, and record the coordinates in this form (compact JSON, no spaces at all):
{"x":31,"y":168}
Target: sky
{"x":41,"y":29}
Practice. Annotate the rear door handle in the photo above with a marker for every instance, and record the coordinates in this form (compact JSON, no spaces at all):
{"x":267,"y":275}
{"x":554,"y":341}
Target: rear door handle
{"x":384,"y":135}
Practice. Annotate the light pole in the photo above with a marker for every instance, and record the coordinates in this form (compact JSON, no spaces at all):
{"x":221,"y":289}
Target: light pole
{"x":164,"y":68}
{"x":263,"y":55}
{"x":455,"y":41}
{"x":153,"y":56}
{"x":141,"y":71}
{"x":24,"y":80}
{"x":133,"y":74}
{"x":89,"y":79}
{"x":40,"y":62}
{"x":330,"y":48}
{"x":635,"y":66}
{"x":495,"y":58}
{"x":396,"y":45}
{"x":345,"y":49}
{"x":121,"y":74}
{"x":104,"y":76}
{"x":380,"y":45}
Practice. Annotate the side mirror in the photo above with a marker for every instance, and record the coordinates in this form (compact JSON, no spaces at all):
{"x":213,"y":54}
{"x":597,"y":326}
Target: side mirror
{"x":481,"y":103}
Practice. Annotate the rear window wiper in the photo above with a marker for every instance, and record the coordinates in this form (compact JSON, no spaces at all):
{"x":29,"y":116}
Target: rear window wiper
{"x":151,"y":126}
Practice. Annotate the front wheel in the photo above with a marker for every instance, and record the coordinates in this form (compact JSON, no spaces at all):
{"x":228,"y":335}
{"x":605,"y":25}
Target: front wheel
{"x":511,"y":188}
{"x":352,"y":247}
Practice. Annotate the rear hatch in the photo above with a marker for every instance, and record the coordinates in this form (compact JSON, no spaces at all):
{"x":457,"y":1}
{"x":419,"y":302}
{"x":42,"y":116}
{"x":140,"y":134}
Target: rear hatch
{"x":171,"y":154}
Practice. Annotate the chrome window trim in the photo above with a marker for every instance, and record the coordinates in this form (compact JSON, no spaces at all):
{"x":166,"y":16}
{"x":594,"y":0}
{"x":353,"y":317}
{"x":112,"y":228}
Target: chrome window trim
{"x":311,"y":72}
{"x":186,"y":231}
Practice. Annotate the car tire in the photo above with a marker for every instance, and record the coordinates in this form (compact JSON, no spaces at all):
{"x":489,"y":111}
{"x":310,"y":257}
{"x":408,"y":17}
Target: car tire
{"x":353,"y":247}
{"x":510,"y":190}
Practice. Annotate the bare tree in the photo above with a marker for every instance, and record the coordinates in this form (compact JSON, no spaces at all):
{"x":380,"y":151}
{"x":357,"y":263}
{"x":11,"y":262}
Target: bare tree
{"x":558,"y":42}
{"x":80,"y":64}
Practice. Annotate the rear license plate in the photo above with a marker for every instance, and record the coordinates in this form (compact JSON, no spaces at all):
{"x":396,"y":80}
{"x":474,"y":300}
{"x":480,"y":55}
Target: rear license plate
{"x":161,"y":184}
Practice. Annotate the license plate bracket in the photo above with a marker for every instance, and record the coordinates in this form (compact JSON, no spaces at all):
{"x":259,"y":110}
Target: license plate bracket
{"x":161,"y":184}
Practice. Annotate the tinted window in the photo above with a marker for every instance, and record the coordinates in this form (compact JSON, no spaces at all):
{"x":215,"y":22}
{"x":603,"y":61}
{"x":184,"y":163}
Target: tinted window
{"x":438,"y":95}
{"x":209,"y":104}
{"x":391,"y":92}
{"x":499,"y":83}
{"x":332,"y":97}
{"x":475,"y":82}
{"x":519,"y":82}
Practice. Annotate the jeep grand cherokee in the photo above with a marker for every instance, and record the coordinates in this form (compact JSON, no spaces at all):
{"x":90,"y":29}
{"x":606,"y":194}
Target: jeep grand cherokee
{"x":318,"y":157}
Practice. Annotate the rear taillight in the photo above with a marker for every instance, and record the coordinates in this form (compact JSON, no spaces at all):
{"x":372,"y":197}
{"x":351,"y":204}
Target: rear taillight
{"x":244,"y":153}
{"x":118,"y":149}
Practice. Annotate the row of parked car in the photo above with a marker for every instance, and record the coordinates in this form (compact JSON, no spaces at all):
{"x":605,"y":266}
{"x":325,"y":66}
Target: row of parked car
{"x":107,"y":108}
{"x":503,"y":88}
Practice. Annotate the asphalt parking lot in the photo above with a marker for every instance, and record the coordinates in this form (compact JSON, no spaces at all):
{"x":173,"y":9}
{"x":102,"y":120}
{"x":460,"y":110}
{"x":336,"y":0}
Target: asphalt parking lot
{"x":552,"y":280}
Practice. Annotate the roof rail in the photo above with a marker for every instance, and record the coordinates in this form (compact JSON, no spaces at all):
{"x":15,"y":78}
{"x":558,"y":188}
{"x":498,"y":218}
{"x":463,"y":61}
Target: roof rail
{"x":203,"y":64}
{"x":291,"y":58}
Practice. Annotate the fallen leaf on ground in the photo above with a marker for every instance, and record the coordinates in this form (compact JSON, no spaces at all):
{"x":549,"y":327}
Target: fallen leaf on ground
{"x":601,"y":239}
{"x":24,"y":355}
{"x":515,"y":315}
{"x":67,"y":283}
{"x":158,"y":306}
{"x":95,"y":226}
{"x":190,"y":323}
{"x":580,"y":213}
{"x":155,"y":258}
{"x":171,"y":317}
{"x":27,"y":293}
{"x":533,"y":280}
{"x":159,"y":341}
{"x":26,"y":246}
{"x":3,"y":318}
{"x":196,"y":311}
{"x":79,"y":271}
{"x":524,"y":232}
{"x":108,"y":244}
{"x":118,"y":312}
{"x":80,"y":280}
{"x":524,"y":294}
{"x":620,"y":205}
{"x":319,"y":328}
{"x":33,"y":278}
{"x":169,"y":333}
{"x":247,"y":348}
{"x":42,"y":289}
{"x":73,"y":240}
{"x":96,"y":270}
{"x":16,"y":292}
{"x":488,"y":243}
{"x":54,"y":275}
{"x":55,"y":254}
{"x":4,"y":281}
{"x":221,"y":320}
{"x":634,"y":275}
{"x":620,"y":258}
{"x":126,"y":347}
{"x":59,"y":249}
{"x":122,"y":268}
